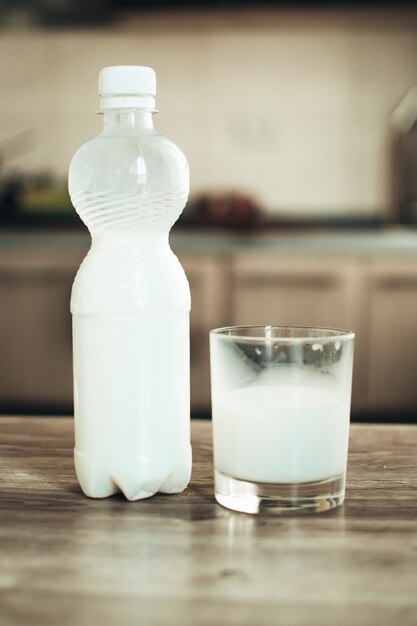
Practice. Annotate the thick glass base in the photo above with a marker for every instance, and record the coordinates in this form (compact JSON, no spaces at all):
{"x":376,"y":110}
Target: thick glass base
{"x":250,"y":497}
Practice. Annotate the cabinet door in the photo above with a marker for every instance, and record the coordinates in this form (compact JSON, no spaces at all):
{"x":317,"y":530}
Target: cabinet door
{"x":207,"y":276}
{"x":35,"y":330}
{"x":393,"y":334}
{"x":300,"y":290}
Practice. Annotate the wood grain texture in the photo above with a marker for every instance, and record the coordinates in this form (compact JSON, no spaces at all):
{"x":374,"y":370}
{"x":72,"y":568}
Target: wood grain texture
{"x":69,"y":561}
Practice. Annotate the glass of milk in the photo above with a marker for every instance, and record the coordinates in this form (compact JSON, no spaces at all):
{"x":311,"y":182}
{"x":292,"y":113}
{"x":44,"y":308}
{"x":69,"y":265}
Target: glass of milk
{"x":281,"y":404}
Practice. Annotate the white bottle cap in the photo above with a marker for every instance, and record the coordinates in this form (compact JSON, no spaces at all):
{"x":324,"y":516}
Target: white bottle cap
{"x":127,"y":86}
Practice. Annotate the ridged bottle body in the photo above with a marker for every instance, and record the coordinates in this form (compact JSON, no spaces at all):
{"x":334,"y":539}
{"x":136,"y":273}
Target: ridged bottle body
{"x":130,"y":305}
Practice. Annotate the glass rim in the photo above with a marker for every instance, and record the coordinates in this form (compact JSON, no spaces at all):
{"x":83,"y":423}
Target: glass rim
{"x":235,"y":333}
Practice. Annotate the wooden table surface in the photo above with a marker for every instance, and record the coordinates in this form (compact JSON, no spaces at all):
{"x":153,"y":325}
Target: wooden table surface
{"x":183,"y":559}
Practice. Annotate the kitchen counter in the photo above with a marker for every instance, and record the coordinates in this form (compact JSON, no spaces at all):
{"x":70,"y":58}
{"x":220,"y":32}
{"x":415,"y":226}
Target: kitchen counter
{"x":398,"y":240}
{"x":185,"y":560}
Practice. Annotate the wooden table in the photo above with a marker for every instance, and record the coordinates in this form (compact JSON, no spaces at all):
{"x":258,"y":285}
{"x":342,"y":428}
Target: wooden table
{"x":67,"y":560}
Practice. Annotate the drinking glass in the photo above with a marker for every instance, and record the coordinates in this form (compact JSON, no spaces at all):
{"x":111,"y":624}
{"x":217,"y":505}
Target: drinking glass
{"x":280,"y":406}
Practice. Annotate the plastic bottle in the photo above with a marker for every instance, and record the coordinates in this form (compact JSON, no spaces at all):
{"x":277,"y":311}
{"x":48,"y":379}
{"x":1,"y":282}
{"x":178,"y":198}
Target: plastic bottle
{"x":130,"y":300}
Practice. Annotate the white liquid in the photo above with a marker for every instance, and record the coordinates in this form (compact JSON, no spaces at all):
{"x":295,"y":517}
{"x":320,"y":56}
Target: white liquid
{"x":281,"y":433}
{"x":130,"y":305}
{"x":132,"y":405}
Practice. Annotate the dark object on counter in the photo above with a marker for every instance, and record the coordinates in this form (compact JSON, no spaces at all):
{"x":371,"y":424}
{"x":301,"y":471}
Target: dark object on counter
{"x":409,"y":200}
{"x":35,"y":200}
{"x":226,"y":209}
{"x":404,"y":122}
{"x":10,"y":192}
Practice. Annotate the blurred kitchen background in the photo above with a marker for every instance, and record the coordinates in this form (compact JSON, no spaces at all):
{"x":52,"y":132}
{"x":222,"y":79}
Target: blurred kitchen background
{"x":299,"y":124}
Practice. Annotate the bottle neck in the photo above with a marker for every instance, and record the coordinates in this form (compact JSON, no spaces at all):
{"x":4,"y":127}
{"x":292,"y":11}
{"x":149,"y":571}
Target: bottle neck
{"x":127,"y":119}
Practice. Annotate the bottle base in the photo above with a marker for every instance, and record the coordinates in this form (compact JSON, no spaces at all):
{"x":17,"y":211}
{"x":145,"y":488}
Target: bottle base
{"x":136,"y":477}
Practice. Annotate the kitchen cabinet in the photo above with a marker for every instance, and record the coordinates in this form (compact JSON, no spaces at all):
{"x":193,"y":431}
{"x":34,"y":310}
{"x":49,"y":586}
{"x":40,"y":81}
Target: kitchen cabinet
{"x":284,"y":289}
{"x":35,"y":329}
{"x":305,"y":290}
{"x":209,"y":285}
{"x":393,"y":334}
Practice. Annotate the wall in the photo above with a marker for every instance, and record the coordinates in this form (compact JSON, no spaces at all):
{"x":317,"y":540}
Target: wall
{"x":293,"y":107}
